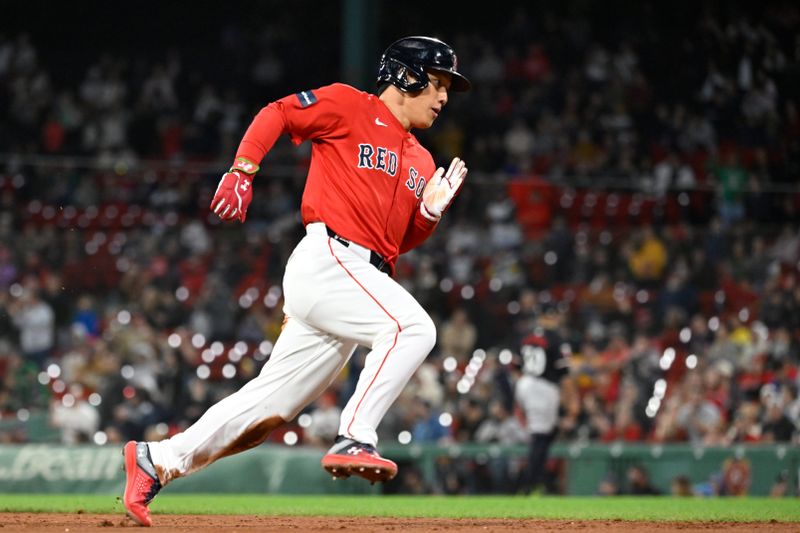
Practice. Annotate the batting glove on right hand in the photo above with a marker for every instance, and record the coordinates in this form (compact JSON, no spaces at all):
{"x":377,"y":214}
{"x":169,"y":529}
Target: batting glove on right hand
{"x":234,"y":192}
{"x":441,"y":189}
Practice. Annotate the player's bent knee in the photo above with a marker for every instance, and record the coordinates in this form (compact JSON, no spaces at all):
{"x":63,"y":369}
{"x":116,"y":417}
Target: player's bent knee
{"x":430,"y":333}
{"x":424,"y":331}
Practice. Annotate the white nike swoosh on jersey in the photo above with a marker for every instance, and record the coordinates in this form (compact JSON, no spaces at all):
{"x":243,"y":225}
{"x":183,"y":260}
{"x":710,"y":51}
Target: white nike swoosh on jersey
{"x":379,"y":123}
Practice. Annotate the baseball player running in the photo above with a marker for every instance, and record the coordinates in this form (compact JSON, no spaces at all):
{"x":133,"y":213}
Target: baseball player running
{"x":372,"y":193}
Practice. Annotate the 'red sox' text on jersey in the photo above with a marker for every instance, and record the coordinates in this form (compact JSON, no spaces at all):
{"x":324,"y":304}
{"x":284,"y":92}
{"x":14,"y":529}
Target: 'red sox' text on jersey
{"x":367,"y":172}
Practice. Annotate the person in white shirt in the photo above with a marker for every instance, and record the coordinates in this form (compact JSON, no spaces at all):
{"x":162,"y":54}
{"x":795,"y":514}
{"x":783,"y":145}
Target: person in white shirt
{"x":545,"y":363}
{"x":35,"y":320}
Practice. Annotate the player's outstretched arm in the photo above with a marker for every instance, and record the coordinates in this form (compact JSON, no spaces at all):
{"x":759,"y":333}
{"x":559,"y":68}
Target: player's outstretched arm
{"x":441,"y":189}
{"x":235,"y":191}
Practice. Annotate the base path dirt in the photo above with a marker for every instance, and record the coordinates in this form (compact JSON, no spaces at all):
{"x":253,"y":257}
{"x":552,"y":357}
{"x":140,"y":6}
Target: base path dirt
{"x":77,"y":522}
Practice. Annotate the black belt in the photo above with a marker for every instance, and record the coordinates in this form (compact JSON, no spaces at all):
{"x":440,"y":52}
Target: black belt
{"x":374,"y":259}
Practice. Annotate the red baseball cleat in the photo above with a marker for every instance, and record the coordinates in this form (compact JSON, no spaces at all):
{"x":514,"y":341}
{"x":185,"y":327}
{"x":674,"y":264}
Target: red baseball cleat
{"x":349,"y":457}
{"x":141,"y":482}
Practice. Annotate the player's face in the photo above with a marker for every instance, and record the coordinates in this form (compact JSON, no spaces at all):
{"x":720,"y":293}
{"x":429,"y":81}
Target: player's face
{"x":426,"y":106}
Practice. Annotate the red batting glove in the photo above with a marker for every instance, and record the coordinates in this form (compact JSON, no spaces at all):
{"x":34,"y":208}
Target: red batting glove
{"x":235,"y":191}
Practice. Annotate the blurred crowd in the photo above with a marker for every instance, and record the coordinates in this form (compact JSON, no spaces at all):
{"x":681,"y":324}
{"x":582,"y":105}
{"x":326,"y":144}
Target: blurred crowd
{"x":639,"y":176}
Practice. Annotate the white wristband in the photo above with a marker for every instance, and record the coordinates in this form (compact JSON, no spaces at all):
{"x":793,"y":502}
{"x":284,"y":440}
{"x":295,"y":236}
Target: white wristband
{"x":427,"y":214}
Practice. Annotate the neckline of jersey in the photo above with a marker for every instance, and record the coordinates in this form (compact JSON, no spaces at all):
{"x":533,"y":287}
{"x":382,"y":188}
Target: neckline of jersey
{"x":390,"y":116}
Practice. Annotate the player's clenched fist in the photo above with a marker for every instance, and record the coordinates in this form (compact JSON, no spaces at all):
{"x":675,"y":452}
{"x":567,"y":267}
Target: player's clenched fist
{"x":441,"y":189}
{"x":235,"y":191}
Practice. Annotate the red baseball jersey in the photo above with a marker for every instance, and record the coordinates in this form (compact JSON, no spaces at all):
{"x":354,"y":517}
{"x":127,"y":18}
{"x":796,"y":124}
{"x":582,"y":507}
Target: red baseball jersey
{"x":367,"y":173}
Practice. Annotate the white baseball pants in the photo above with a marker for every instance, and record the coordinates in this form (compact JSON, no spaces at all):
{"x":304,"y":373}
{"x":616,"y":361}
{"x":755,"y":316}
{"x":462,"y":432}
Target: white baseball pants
{"x":334,"y":300}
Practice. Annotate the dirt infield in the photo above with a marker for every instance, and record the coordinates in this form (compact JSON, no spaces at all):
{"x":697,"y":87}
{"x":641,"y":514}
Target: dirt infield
{"x":76,"y":522}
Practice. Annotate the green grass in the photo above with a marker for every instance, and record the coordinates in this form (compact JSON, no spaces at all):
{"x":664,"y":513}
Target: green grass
{"x":569,"y":508}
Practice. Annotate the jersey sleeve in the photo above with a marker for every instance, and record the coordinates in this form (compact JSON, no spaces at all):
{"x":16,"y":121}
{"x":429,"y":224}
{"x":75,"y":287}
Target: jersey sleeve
{"x":419,"y":229}
{"x":311,"y":114}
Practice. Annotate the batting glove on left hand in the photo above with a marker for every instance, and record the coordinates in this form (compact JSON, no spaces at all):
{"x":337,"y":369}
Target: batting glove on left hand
{"x":441,"y":189}
{"x":234,"y":193}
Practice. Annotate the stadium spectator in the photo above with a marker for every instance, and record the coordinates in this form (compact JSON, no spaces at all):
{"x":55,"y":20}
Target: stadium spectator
{"x":324,"y":421}
{"x":681,"y":486}
{"x":428,"y":426}
{"x":36,"y":322}
{"x":698,"y":418}
{"x":501,"y":427}
{"x":638,"y":482}
{"x":457,"y":336}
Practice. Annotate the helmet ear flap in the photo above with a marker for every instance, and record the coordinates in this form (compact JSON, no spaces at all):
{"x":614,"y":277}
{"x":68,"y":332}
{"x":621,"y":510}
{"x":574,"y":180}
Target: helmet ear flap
{"x":402,"y":71}
{"x":399,"y":75}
